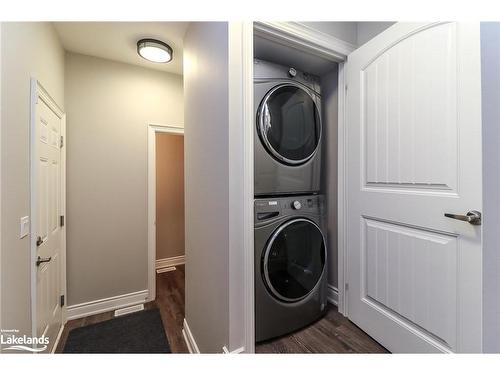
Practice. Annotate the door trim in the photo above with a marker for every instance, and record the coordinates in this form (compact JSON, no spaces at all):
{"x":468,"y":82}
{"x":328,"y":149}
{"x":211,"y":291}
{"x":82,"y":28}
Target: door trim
{"x":152,"y":130}
{"x":342,"y":191}
{"x":241,"y":258}
{"x":305,"y":38}
{"x":39,"y":92}
{"x":1,"y":326}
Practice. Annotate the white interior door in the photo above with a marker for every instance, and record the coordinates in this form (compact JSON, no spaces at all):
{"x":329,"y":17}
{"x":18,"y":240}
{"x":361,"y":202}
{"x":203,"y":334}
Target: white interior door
{"x":47,"y":227}
{"x":414,"y":154}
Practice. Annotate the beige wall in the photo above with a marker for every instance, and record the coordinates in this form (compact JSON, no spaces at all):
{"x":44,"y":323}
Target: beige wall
{"x":28,"y":50}
{"x":169,"y":195}
{"x":109,"y":106}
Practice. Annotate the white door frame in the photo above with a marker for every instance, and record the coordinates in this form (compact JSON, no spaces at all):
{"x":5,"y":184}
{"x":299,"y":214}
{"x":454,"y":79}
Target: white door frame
{"x":39,"y":93}
{"x":152,"y":130}
{"x":1,"y":326}
{"x":342,"y":192}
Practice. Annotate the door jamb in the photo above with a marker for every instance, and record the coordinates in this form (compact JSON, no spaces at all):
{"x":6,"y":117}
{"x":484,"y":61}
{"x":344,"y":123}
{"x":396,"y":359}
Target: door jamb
{"x":1,"y":325}
{"x":39,"y":92}
{"x":341,"y":191}
{"x":152,"y":130}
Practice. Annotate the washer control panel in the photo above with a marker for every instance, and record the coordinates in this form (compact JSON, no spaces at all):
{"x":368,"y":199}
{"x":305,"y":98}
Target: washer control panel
{"x":270,"y":208}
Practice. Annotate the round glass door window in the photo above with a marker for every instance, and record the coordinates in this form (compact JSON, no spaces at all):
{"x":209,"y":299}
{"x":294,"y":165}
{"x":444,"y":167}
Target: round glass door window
{"x":294,"y":260}
{"x":289,"y":124}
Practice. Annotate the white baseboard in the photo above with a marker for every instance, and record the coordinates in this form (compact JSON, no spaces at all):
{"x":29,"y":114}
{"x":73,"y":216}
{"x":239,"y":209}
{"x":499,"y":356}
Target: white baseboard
{"x":129,"y":310}
{"x":167,"y":269}
{"x":189,"y":339}
{"x":58,"y":338}
{"x":239,"y":350}
{"x":333,"y":295}
{"x":106,"y":304}
{"x":170,"y":262}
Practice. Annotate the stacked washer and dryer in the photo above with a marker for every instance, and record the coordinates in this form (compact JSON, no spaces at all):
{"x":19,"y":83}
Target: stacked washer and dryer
{"x":289,"y":214}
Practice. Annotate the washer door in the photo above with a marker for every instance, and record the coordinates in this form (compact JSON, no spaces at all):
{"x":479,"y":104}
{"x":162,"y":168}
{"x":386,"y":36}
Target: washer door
{"x":294,"y":260}
{"x":289,"y":124}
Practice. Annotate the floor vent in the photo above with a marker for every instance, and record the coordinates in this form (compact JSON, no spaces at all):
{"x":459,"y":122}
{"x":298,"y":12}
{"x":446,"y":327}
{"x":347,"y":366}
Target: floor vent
{"x":166,"y":269}
{"x":130,"y":309}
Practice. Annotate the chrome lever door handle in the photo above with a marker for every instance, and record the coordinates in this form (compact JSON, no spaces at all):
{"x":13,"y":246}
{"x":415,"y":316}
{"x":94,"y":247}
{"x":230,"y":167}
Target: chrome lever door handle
{"x":472,"y":217}
{"x":42,"y":260}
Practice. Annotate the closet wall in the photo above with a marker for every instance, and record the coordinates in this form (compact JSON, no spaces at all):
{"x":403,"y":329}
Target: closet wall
{"x":329,"y":96}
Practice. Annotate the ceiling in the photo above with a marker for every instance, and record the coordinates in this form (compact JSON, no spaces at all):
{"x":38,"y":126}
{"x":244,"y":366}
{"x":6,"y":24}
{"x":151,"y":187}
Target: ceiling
{"x":117,"y":40}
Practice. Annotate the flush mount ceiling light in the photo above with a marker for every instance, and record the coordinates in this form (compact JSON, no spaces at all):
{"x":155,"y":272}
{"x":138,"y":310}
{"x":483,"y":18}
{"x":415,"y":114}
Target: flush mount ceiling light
{"x":154,"y":50}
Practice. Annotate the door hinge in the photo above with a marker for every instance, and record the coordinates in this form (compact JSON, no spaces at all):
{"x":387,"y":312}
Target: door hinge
{"x":346,"y":287}
{"x":346,"y":88}
{"x":62,"y":301}
{"x":62,"y":142}
{"x":61,"y":220}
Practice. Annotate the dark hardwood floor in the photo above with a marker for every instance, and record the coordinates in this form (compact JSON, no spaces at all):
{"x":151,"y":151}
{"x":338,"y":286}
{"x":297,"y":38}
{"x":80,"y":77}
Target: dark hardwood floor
{"x":170,"y":302}
{"x":332,"y":334}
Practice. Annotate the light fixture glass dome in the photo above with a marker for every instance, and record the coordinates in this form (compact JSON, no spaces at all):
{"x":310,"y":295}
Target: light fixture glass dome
{"x":154,"y":50}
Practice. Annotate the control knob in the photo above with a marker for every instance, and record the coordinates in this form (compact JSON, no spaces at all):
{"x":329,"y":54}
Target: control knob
{"x":296,"y":205}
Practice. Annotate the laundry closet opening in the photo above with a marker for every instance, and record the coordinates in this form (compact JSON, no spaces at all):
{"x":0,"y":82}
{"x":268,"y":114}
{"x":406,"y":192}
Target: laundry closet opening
{"x":296,"y":104}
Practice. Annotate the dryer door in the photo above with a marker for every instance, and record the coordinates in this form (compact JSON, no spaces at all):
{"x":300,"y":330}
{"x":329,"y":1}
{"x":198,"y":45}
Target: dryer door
{"x":289,"y":124}
{"x":294,"y":260}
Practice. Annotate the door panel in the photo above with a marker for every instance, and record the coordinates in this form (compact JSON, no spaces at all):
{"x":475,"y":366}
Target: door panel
{"x":412,"y":272}
{"x":409,"y":95}
{"x":414,"y":153}
{"x":48,"y":186}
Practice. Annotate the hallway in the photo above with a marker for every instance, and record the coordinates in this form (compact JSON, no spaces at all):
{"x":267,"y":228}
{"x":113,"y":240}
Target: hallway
{"x":170,"y":302}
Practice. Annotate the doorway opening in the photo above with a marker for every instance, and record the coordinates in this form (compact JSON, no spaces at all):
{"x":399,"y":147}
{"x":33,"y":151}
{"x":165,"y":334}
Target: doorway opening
{"x":169,"y":201}
{"x":165,"y":202}
{"x":166,"y":252}
{"x":309,"y":187}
